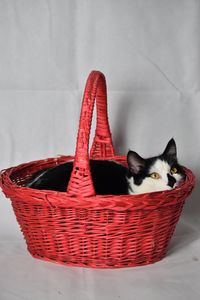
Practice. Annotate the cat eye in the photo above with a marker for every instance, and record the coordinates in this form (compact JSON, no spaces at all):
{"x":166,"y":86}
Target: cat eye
{"x":155,"y":175}
{"x":174,"y":170}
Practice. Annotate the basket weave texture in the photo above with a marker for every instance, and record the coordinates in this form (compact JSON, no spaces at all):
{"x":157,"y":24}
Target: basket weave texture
{"x":80,"y":228}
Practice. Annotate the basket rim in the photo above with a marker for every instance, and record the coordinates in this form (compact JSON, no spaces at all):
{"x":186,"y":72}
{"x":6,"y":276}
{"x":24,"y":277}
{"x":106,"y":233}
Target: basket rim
{"x":118,"y":202}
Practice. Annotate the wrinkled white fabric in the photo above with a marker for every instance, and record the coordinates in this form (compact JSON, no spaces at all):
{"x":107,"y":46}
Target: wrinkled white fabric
{"x":149,"y":52}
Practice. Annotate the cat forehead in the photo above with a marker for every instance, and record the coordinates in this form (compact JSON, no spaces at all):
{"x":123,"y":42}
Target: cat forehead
{"x":160,"y":166}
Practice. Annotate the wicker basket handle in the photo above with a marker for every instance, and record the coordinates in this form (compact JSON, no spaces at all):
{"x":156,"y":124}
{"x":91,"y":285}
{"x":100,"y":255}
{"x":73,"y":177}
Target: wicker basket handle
{"x":81,"y":181}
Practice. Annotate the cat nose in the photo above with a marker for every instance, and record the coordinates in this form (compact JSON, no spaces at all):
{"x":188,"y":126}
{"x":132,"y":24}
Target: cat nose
{"x":171,"y":180}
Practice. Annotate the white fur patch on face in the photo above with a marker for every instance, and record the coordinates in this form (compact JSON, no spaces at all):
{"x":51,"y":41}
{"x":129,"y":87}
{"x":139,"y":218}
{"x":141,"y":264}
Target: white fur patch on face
{"x":154,"y":185}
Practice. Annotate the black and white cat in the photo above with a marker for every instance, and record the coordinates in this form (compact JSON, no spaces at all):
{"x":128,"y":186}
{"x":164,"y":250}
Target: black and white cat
{"x":156,"y":173}
{"x":111,"y":178}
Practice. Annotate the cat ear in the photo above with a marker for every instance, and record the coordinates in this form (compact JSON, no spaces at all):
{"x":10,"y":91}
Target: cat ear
{"x":170,"y":150}
{"x":135,"y":162}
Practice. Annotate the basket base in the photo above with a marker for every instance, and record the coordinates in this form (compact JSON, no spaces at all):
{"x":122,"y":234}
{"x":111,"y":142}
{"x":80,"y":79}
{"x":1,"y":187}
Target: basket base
{"x":98,"y":264}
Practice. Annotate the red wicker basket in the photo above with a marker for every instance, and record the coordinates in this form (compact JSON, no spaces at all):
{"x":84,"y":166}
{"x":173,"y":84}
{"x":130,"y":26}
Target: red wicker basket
{"x":81,"y":228}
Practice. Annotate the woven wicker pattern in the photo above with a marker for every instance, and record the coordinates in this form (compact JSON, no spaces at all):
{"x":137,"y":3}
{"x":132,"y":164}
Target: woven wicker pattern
{"x":81,"y":228}
{"x":81,"y":181}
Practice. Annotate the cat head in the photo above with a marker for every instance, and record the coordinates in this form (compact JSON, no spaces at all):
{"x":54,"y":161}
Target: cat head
{"x":156,"y":173}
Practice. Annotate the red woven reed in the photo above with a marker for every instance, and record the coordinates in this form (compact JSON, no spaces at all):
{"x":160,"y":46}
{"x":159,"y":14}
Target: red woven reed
{"x":81,"y":181}
{"x":83,"y":229}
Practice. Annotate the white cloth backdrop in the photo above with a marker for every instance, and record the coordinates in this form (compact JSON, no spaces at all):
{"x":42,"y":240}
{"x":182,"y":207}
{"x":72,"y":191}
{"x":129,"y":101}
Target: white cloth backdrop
{"x":149,"y":52}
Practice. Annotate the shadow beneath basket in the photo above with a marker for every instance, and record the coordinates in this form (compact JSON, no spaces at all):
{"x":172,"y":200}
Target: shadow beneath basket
{"x":184,"y":235}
